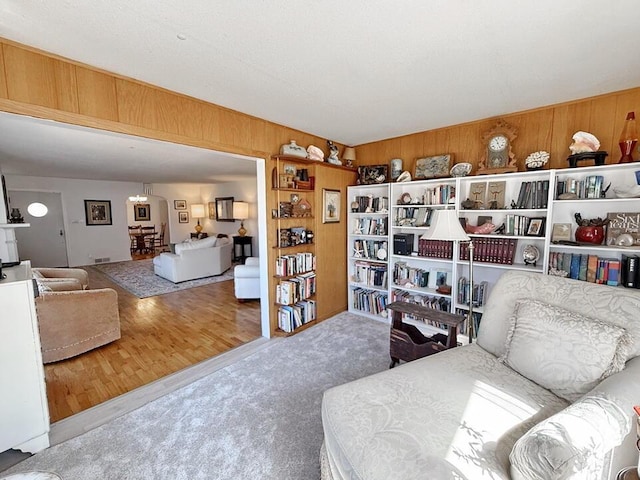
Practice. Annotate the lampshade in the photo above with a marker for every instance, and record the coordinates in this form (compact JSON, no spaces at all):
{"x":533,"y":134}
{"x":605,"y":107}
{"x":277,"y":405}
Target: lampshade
{"x":349,"y":154}
{"x":197,"y":210}
{"x":445,"y":226}
{"x":240,"y":210}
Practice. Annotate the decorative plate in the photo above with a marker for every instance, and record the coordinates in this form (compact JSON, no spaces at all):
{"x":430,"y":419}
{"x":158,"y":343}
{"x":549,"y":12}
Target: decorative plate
{"x":382,"y":254}
{"x":460,"y":169}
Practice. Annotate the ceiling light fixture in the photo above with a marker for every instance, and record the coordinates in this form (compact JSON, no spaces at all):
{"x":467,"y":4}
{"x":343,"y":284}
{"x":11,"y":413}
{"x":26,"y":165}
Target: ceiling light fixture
{"x":137,"y":198}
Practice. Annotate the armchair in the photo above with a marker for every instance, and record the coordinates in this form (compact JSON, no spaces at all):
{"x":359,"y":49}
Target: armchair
{"x":246,"y":279}
{"x":62,"y":278}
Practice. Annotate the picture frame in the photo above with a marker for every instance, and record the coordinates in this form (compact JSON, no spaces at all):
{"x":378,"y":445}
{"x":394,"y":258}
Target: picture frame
{"x":179,"y":204}
{"x":330,"y":206}
{"x":142,"y":212}
{"x":183,"y":217}
{"x":224,"y":209}
{"x":97,"y":212}
{"x":536,"y":227}
{"x":561,"y":232}
{"x":372,"y":174}
{"x":435,"y":166}
{"x":289,"y":169}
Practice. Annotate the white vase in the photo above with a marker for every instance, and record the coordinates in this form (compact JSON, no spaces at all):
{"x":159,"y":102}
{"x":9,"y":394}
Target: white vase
{"x":293,"y":149}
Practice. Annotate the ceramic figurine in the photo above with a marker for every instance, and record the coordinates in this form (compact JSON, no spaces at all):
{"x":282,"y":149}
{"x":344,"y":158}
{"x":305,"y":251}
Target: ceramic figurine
{"x":293,"y":149}
{"x":16,"y":217}
{"x":314,"y":153}
{"x":333,"y":153}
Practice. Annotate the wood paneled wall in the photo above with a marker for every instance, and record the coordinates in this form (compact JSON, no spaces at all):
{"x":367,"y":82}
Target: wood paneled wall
{"x":549,"y":128}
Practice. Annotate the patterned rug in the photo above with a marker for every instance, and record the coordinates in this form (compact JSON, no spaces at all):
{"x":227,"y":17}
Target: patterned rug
{"x":137,"y":277}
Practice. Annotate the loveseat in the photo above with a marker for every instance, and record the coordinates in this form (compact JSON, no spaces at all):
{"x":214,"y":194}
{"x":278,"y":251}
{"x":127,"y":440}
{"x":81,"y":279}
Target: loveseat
{"x":73,"y":319}
{"x":195,"y":259}
{"x":546,"y":392}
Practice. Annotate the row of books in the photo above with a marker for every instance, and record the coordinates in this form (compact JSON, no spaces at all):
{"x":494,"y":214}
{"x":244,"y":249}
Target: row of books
{"x":533,"y":194}
{"x":413,"y":216}
{"x":369,"y":248}
{"x":288,"y":265}
{"x":480,"y":292}
{"x":590,"y":187}
{"x":372,"y":274}
{"x":370,"y":204}
{"x":437,"y":303}
{"x":291,"y":317}
{"x":589,"y":268}
{"x":439,"y":195}
{"x":295,"y":289}
{"x":369,"y":301}
{"x":519,"y":225}
{"x":370,"y":226}
{"x":464,"y":328}
{"x":491,"y":250}
{"x":435,"y":248}
{"x":404,"y":274}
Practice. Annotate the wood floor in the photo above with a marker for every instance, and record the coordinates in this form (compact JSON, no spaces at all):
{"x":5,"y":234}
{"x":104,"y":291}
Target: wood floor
{"x":160,"y":335}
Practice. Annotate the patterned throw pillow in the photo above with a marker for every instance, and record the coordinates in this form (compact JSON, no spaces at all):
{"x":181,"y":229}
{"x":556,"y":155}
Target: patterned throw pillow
{"x":561,"y":350}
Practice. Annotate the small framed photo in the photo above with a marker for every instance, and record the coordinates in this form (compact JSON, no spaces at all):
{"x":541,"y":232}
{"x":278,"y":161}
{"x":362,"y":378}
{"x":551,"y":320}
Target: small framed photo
{"x":289,"y":169}
{"x":97,"y":212}
{"x":330,"y":205}
{"x":536,"y":227}
{"x":183,"y":217}
{"x":295,"y":198}
{"x":142,"y":212}
{"x":179,"y":204}
{"x":561,"y":232}
{"x":436,"y":166}
{"x":482,"y":219}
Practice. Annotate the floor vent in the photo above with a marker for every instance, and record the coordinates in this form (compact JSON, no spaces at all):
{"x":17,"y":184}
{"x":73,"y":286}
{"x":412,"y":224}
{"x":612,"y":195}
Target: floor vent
{"x":102,"y":260}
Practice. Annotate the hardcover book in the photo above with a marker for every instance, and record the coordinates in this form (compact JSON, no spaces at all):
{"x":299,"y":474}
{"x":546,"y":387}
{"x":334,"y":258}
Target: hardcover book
{"x":623,"y":223}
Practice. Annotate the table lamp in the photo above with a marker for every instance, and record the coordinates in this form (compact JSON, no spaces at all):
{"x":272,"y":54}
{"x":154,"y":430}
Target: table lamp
{"x":446,"y":226}
{"x":241,"y":212}
{"x":197,"y":211}
{"x":349,"y":155}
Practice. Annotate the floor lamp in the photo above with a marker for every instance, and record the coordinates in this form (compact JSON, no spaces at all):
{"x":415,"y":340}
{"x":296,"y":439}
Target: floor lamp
{"x":446,"y":226}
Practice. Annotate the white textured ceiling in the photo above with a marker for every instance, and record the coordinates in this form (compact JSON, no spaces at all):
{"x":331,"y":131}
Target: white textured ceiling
{"x":351,"y":71}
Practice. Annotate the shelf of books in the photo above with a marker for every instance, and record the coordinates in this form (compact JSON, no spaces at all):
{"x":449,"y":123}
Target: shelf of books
{"x":368,"y":247}
{"x":522,"y":220}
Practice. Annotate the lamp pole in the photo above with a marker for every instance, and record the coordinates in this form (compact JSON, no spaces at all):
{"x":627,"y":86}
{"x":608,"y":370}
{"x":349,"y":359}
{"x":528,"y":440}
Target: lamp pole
{"x":470,"y":314}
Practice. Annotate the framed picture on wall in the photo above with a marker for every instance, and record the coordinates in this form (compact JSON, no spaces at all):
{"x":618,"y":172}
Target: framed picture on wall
{"x":179,"y":204}
{"x":330,"y":205}
{"x":97,"y":212}
{"x":142,"y":212}
{"x":183,"y":217}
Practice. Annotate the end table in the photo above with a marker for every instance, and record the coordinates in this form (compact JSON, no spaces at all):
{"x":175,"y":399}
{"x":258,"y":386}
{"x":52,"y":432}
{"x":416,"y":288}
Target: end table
{"x":245,"y":243}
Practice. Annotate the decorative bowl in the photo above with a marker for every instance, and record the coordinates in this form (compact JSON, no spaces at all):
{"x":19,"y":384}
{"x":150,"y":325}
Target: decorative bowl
{"x":460,"y":169}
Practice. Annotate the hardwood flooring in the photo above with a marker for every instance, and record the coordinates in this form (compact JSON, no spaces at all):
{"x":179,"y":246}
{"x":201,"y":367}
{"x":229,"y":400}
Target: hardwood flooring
{"x":160,"y":335}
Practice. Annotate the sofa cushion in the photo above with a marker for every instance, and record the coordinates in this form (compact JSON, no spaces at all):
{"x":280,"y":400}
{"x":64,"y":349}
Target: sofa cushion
{"x":196,"y":244}
{"x":572,"y":444}
{"x":561,"y":350}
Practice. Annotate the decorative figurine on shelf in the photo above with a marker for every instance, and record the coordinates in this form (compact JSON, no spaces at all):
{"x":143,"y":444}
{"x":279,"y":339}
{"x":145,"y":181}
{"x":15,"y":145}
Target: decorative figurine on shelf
{"x":314,"y":153}
{"x":536,"y":160}
{"x":585,"y":147}
{"x":16,"y":216}
{"x":530,"y":255}
{"x":333,"y":153}
{"x":404,"y":177}
{"x":293,"y":149}
{"x":628,"y":138}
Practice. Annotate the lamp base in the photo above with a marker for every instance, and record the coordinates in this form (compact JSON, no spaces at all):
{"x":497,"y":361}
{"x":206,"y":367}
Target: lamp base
{"x":198,"y":227}
{"x":242,"y":231}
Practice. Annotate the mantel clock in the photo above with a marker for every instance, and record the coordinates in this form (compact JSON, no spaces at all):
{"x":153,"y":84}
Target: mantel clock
{"x":497,"y":154}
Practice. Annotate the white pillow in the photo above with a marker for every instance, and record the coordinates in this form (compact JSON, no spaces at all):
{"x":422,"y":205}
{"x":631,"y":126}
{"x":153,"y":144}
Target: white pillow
{"x":561,"y":350}
{"x":572,"y":444}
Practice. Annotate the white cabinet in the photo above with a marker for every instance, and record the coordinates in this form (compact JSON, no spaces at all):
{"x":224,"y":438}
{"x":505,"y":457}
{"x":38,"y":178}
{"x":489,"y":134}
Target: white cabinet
{"x":24,"y":415}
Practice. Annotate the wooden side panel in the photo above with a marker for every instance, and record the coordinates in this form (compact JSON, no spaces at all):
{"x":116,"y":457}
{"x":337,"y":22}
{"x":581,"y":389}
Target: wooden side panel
{"x":158,"y":110}
{"x":331,"y":242}
{"x":3,"y":77}
{"x":36,"y":79}
{"x":97,"y":94}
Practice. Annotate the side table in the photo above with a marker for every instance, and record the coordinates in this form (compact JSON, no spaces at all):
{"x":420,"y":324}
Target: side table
{"x":200,"y":235}
{"x":245,"y":243}
{"x":408,"y":343}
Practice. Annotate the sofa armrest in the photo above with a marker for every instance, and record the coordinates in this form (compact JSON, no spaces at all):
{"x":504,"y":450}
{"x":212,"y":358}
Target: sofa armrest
{"x":61,"y":284}
{"x":73,"y":322}
{"x":77,"y":273}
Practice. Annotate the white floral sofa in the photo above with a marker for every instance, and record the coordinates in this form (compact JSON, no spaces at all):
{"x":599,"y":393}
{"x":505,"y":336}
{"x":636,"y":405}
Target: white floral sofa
{"x":546,"y":393}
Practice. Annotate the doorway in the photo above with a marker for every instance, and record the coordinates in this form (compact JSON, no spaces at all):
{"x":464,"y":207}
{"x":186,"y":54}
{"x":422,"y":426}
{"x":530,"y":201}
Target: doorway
{"x":45,"y":230}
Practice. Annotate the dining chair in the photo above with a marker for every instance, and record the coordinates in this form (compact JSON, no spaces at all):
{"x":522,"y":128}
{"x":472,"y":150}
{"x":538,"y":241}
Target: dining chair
{"x":149,"y":232}
{"x":158,"y":241}
{"x":134,"y":231}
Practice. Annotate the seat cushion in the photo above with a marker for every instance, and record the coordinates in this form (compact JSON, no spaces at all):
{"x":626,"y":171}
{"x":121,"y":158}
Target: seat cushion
{"x":454,"y":415}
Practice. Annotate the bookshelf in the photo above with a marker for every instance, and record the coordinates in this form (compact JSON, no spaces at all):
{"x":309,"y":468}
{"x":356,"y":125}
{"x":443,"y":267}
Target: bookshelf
{"x":415,"y":270}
